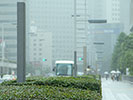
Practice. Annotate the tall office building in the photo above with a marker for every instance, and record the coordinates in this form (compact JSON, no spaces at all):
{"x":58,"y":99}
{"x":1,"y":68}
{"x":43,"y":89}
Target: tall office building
{"x":131,"y":12}
{"x":55,"y":17}
{"x":96,"y":9}
{"x":131,"y":16}
{"x":113,"y":11}
{"x":102,"y":42}
{"x":125,"y":15}
{"x":8,"y":20}
{"x":118,"y":11}
{"x":86,"y":10}
{"x":40,"y":47}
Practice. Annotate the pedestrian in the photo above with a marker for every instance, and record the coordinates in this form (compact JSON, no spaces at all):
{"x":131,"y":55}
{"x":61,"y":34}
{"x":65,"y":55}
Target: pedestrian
{"x":107,"y":76}
{"x":113,"y":77}
{"x":118,"y":77}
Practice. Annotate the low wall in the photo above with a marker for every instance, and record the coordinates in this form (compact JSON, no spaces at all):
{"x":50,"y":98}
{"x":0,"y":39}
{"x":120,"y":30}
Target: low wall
{"x":127,"y":78}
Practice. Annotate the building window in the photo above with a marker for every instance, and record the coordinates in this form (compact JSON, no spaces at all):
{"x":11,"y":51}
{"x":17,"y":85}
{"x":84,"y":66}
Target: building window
{"x":34,"y":44}
{"x":34,"y":58}
{"x":41,"y":39}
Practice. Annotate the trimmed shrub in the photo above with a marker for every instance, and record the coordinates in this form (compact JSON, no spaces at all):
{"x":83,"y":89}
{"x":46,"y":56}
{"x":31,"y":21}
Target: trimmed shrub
{"x":53,"y":88}
{"x":81,"y":83}
{"x":46,"y":93}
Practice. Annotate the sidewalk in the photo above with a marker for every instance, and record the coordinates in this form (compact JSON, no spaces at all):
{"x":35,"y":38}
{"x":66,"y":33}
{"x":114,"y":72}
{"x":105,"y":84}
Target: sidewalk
{"x":116,"y":90}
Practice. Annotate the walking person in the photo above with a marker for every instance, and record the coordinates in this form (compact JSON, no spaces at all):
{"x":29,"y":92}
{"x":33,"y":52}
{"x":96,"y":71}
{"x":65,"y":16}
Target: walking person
{"x":106,"y":75}
{"x":118,"y":75}
{"x":113,"y":77}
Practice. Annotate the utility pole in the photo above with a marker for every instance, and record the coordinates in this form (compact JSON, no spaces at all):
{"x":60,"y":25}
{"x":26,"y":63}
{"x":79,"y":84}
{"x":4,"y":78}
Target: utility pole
{"x":21,"y":30}
{"x":84,"y":59}
{"x":75,"y":40}
{"x":85,"y":47}
{"x":3,"y":53}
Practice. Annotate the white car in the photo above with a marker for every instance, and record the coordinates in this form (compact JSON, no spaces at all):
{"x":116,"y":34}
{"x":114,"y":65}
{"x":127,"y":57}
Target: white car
{"x":8,"y":77}
{"x":80,"y":73}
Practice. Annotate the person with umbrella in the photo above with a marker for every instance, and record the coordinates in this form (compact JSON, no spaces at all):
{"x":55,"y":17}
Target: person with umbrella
{"x":106,"y":75}
{"x":113,"y":75}
{"x":118,"y":75}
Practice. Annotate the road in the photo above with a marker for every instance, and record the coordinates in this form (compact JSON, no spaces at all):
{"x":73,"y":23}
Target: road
{"x":113,"y":90}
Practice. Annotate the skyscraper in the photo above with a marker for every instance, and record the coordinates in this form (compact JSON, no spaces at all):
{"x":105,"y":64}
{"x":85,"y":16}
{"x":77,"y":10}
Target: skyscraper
{"x":8,"y":20}
{"x":96,"y":9}
{"x":125,"y":14}
{"x":113,"y":11}
{"x":131,"y":16}
{"x":55,"y":17}
{"x":118,"y":11}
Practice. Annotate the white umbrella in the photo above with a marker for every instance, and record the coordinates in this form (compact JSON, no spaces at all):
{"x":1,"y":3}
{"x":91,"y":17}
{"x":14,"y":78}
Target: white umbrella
{"x":118,"y":72}
{"x":106,"y":73}
{"x":113,"y":72}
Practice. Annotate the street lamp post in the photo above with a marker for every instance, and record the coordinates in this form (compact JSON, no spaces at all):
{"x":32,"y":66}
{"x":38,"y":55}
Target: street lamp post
{"x":2,"y":43}
{"x":85,"y":47}
{"x":75,"y":52}
{"x":3,"y":54}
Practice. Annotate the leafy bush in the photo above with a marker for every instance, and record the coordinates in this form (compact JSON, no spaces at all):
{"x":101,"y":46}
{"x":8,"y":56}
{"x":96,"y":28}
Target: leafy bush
{"x":97,"y":77}
{"x":53,"y":88}
{"x":81,"y":83}
{"x":46,"y":93}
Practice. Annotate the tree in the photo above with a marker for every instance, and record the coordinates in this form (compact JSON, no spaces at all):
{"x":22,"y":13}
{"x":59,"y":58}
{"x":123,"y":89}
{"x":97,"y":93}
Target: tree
{"x":118,"y":53}
{"x":127,"y":47}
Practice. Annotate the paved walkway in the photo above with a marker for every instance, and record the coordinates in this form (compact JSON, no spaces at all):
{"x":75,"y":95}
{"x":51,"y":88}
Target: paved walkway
{"x":113,"y":90}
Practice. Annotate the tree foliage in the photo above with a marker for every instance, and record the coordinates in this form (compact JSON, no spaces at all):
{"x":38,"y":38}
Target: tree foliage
{"x":123,"y":53}
{"x":128,"y":52}
{"x":117,"y":54}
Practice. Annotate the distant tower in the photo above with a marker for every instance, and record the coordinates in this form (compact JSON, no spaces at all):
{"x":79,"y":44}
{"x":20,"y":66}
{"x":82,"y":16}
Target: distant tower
{"x":131,"y":15}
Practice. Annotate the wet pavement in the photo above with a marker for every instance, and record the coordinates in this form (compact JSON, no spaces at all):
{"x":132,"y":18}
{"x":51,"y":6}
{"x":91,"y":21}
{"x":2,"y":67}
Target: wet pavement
{"x":116,"y":90}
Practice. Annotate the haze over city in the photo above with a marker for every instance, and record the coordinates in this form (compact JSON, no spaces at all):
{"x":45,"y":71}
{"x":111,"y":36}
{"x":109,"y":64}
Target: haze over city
{"x":93,"y":37}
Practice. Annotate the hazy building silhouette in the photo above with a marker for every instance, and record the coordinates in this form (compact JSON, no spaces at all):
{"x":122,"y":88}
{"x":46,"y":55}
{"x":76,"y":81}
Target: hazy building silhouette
{"x":40,"y":49}
{"x":125,"y":14}
{"x":8,"y":18}
{"x":131,"y":15}
{"x":102,"y":39}
{"x":55,"y":17}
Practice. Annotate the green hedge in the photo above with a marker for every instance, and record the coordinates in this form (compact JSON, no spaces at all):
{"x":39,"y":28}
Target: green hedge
{"x":46,"y":93}
{"x":81,"y":83}
{"x":53,"y":88}
{"x":89,"y":76}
